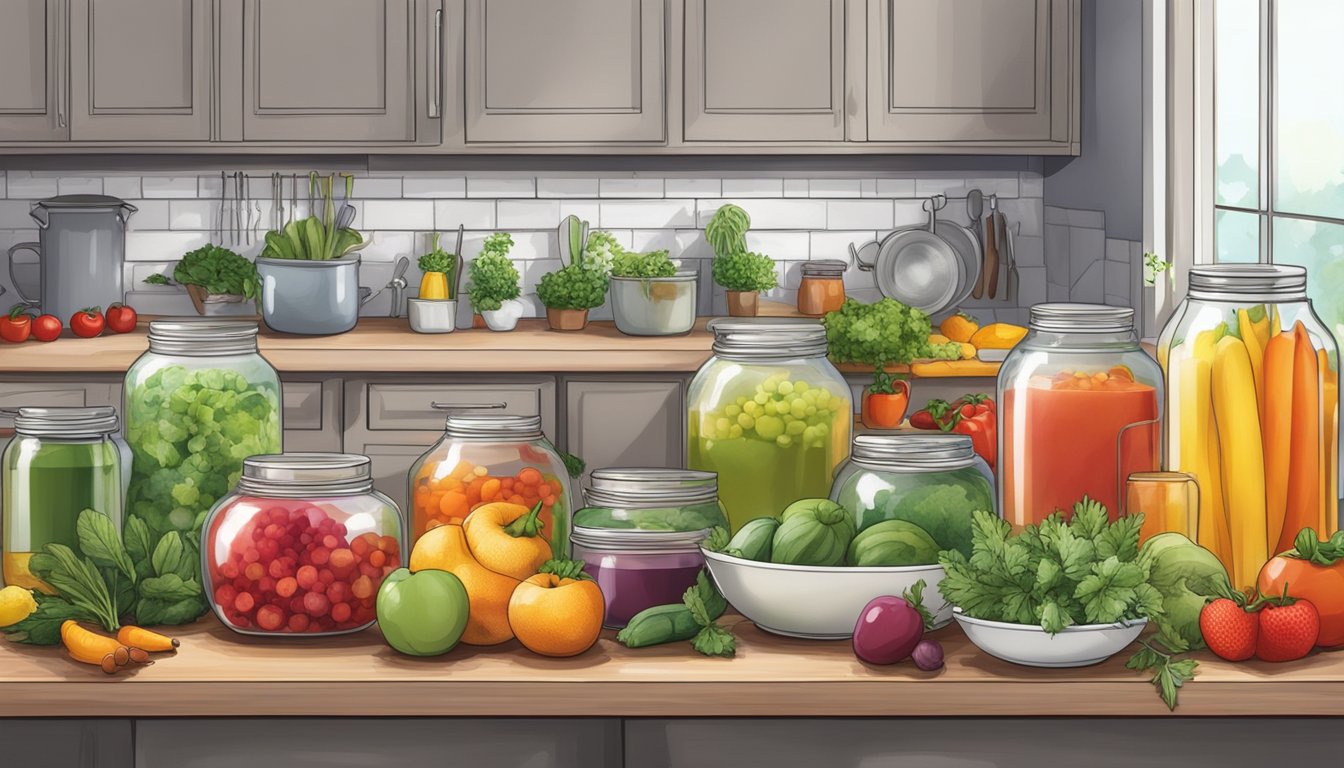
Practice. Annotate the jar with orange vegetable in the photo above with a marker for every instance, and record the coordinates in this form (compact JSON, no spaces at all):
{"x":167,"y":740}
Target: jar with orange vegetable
{"x":485,"y":457}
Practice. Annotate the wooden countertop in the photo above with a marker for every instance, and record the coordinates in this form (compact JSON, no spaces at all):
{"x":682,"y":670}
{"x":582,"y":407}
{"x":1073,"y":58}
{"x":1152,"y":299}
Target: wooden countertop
{"x":217,"y":673}
{"x":388,"y":345}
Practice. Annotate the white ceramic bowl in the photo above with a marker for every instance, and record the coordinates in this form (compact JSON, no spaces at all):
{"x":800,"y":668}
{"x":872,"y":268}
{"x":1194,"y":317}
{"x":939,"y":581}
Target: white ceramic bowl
{"x":817,"y":602}
{"x":432,"y":315}
{"x":1027,"y":644}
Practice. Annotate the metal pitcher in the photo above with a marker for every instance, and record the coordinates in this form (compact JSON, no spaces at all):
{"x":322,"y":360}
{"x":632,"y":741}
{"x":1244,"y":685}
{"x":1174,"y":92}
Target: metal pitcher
{"x":80,"y":251}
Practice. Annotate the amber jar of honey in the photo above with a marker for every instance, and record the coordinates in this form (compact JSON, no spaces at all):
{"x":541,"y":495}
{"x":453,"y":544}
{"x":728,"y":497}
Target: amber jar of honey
{"x":823,"y":287}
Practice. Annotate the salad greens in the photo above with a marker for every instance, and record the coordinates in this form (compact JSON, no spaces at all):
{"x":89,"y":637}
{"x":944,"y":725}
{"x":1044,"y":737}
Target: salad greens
{"x":157,"y":279}
{"x":884,"y":332}
{"x":651,"y":264}
{"x":745,"y":271}
{"x":217,"y":270}
{"x":573,"y":287}
{"x":493,"y":278}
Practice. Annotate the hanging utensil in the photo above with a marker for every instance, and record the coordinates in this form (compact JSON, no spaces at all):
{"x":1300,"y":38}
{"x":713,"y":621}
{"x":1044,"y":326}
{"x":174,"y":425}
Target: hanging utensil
{"x":1010,"y":252}
{"x":293,"y":197}
{"x":461,"y":264}
{"x":398,"y":286}
{"x":975,"y":209}
{"x":994,"y":226}
{"x":914,"y":266}
{"x":223,"y":197}
{"x":989,"y":270}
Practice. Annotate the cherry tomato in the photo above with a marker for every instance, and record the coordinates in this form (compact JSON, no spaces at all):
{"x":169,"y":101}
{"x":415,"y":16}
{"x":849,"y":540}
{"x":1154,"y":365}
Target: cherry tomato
{"x":88,"y":322}
{"x":121,"y":318}
{"x":46,"y":327}
{"x":17,"y":326}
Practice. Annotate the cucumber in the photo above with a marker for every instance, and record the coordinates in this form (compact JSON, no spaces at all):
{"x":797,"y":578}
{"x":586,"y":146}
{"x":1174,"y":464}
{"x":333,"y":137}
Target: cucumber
{"x":753,"y":539}
{"x":672,"y":622}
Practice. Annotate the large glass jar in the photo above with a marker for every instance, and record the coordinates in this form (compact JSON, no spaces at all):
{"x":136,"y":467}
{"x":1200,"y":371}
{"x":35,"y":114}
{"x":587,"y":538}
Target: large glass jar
{"x":1080,"y":409}
{"x":935,"y":481}
{"x":1253,"y":404}
{"x":484,"y":457}
{"x":639,"y":537}
{"x":301,"y":546}
{"x":60,"y":462}
{"x":769,"y":414}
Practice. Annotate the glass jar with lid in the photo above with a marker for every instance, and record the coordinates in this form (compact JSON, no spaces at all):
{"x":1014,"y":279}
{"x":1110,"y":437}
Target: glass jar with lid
{"x":1080,"y":409}
{"x":822,"y":288}
{"x":934,"y":481}
{"x":639,"y":535}
{"x":769,"y":414}
{"x":301,"y":546}
{"x":197,"y":403}
{"x":1253,"y":410}
{"x":486,"y":456}
{"x":60,"y":462}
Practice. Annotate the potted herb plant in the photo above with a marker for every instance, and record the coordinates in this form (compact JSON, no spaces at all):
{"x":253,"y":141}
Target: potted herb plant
{"x":493,"y":284}
{"x":851,"y":338}
{"x":215,"y":277}
{"x":309,"y":269}
{"x":649,"y":296}
{"x":740,"y":272}
{"x":435,"y":309}
{"x":580,"y":285}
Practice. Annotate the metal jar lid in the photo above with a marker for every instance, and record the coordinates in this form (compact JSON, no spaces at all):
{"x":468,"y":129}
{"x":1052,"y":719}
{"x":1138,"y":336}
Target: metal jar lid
{"x":636,"y":540}
{"x":645,"y":488}
{"x":913,"y":452}
{"x":1232,"y":282}
{"x":305,"y":475}
{"x":767,"y":338}
{"x":492,"y":426}
{"x":825,"y":268}
{"x":65,"y":422}
{"x":202,"y":338}
{"x":1081,"y":318}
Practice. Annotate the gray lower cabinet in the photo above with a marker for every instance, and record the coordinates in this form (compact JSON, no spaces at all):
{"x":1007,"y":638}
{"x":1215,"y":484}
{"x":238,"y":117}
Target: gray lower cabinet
{"x":564,"y":71}
{"x":34,"y":743}
{"x":32,"y":106}
{"x":764,"y":70}
{"x":620,"y":422}
{"x":312,"y":414}
{"x":141,"y":70}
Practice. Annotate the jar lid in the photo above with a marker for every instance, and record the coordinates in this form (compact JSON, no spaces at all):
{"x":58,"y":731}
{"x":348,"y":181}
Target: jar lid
{"x":301,"y":475}
{"x":911,"y":451}
{"x":1231,"y":282}
{"x":202,"y":338}
{"x":768,"y":338}
{"x":646,"y":488}
{"x":92,"y":202}
{"x":1081,"y":318}
{"x":825,"y":268}
{"x":67,"y":422}
{"x":492,"y":426}
{"x":635,"y":539}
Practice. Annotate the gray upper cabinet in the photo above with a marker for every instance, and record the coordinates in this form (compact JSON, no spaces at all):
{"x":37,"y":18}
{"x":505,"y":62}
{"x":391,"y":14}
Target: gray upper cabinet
{"x":978,"y":72}
{"x":32,"y":38}
{"x":565,"y":71}
{"x":764,"y":70}
{"x":329,"y":71}
{"x":141,"y":70}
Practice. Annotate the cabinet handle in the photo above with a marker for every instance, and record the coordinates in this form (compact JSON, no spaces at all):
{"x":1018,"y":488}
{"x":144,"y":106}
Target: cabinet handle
{"x":436,"y":62}
{"x":62,"y":33}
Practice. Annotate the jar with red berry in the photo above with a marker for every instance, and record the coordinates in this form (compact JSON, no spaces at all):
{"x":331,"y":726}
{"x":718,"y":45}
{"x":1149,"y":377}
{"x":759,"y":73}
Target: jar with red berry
{"x":301,"y":546}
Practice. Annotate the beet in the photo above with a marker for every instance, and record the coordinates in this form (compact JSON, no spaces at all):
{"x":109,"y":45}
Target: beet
{"x":888,"y":630}
{"x":928,"y":655}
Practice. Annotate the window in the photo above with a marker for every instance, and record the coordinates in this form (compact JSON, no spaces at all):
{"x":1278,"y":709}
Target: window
{"x":1278,"y":141}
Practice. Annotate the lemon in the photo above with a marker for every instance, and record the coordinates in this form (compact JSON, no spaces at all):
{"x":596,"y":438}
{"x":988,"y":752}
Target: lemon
{"x":16,"y":604}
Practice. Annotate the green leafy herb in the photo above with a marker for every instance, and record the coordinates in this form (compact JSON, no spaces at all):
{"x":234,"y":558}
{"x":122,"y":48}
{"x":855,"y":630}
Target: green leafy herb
{"x":437,"y":260}
{"x":712,"y":639}
{"x":718,"y":539}
{"x":218,"y":270}
{"x":1154,"y":265}
{"x":78,"y":581}
{"x":100,"y":542}
{"x":574,"y":465}
{"x":1170,"y":673}
{"x":727,"y":230}
{"x":948,"y":351}
{"x":652,"y":264}
{"x":493,"y":278}
{"x":745,"y":271}
{"x":157,"y":279}
{"x":915,"y":597}
{"x":573,"y":287}
{"x":876,"y":334}
{"x":43,"y":626}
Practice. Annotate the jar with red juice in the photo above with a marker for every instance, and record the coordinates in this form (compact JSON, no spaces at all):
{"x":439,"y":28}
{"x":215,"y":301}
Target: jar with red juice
{"x":301,"y":546}
{"x":1080,"y":409}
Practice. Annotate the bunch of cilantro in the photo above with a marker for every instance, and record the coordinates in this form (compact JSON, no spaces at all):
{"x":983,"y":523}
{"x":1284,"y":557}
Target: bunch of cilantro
{"x":877,"y":334}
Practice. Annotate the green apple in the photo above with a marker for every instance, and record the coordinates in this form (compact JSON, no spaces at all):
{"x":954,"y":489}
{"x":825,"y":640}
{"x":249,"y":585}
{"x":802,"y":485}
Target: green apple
{"x":422,"y":613}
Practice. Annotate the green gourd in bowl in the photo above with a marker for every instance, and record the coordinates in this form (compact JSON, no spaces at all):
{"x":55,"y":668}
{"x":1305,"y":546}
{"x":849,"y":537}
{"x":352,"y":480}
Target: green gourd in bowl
{"x":813,"y":532}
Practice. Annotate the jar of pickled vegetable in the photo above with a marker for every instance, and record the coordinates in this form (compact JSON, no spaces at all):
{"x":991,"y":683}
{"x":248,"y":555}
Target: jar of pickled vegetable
{"x":484,"y":457}
{"x":769,"y":414}
{"x":60,"y":462}
{"x":301,"y":547}
{"x":1253,"y":404}
{"x":1080,"y":410}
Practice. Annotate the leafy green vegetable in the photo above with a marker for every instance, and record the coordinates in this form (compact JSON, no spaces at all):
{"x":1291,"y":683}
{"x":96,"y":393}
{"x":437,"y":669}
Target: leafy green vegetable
{"x":43,"y":626}
{"x":573,"y":287}
{"x":652,"y":264}
{"x":712,"y":639}
{"x":600,"y":251}
{"x":949,"y":351}
{"x":915,"y":597}
{"x":316,"y":237}
{"x":1170,"y":675}
{"x":157,"y":279}
{"x":78,"y":581}
{"x":717,"y":540}
{"x":1055,"y":574}
{"x":727,"y":230}
{"x":218,"y":270}
{"x":942,"y":505}
{"x":745,"y":271}
{"x":884,"y":332}
{"x":1186,"y":575}
{"x":574,"y":465}
{"x":493,"y":278}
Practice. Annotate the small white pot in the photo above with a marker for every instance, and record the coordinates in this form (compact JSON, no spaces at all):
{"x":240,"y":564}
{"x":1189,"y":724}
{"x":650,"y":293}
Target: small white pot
{"x":506,"y":317}
{"x":432,"y":315}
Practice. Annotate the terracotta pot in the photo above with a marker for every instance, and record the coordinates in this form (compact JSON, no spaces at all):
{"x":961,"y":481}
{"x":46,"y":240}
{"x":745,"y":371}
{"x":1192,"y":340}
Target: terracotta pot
{"x":743,"y":303}
{"x":477,"y":321}
{"x":883,"y":411}
{"x":567,"y":319}
{"x":211,"y":303}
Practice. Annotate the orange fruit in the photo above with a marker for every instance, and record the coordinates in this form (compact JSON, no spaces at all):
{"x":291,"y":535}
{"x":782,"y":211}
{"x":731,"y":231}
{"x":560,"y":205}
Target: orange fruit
{"x":445,"y":548}
{"x":556,"y":616}
{"x":519,"y":552}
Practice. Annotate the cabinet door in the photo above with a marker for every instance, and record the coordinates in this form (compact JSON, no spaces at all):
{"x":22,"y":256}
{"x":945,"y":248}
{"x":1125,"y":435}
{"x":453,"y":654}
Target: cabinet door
{"x":63,"y":743}
{"x":765,"y":70}
{"x":625,"y":422}
{"x":312,"y":415}
{"x":974,"y":71}
{"x":141,"y":70}
{"x":328,"y":71}
{"x":31,"y":87}
{"x":564,"y":71}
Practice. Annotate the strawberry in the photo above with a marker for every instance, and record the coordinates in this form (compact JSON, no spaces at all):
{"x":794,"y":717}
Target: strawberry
{"x":1288,"y":630}
{"x":1229,"y":630}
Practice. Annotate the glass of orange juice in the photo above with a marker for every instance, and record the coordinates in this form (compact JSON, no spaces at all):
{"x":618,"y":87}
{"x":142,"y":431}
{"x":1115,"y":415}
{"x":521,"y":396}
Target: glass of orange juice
{"x":1169,"y":502}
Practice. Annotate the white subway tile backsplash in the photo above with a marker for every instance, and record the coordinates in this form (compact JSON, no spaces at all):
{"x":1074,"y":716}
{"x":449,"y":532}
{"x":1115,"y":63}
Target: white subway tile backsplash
{"x":1117,"y":250}
{"x":771,"y":214}
{"x":369,"y":187}
{"x":14,"y":214}
{"x":585,"y":210}
{"x":895,"y":187}
{"x":833,"y":188}
{"x":1090,"y":219}
{"x":796,"y":187}
{"x":434,"y":186}
{"x":124,"y":187}
{"x":1029,"y":251}
{"x":472,"y":214}
{"x":911,"y":213}
{"x":20,"y":184}
{"x":780,"y":245}
{"x":1025,"y":211}
{"x":645,"y":240}
{"x":692,"y":246}
{"x":170,"y":186}
{"x":527,"y":214}
{"x":1056,"y":215}
{"x":753,"y":187}
{"x":501,"y":187}
{"x":191,"y":214}
{"x":398,"y":214}
{"x":1030,"y":184}
{"x":163,"y":246}
{"x":630,"y":188}
{"x":389,"y":246}
{"x":149,"y":215}
{"x":213,"y":186}
{"x":577,"y":187}
{"x":77,"y":185}
{"x":694,"y":188}
{"x":860,"y":214}
{"x":645,"y":214}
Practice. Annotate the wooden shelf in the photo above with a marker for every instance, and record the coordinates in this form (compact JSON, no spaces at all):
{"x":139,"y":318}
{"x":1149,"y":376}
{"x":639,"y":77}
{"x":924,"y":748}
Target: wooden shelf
{"x":218,"y":673}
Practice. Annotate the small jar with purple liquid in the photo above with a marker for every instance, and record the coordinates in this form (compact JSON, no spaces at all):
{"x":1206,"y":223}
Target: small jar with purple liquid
{"x":639,"y":535}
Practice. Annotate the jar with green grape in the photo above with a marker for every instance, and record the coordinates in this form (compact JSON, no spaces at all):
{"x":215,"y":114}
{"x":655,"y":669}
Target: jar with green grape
{"x":770,"y":414}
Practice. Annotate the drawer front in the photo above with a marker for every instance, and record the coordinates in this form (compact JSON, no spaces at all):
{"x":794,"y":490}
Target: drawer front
{"x":303,"y":405}
{"x":66,"y":743}
{"x":410,"y":406}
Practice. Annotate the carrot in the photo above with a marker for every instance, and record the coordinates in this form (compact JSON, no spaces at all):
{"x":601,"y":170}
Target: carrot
{"x":1330,"y":406}
{"x":136,"y":637}
{"x":1276,"y":414}
{"x":87,"y":646}
{"x":1304,"y":469}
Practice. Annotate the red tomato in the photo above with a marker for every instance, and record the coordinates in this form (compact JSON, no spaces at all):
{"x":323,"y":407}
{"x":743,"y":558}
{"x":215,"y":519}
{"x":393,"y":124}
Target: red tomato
{"x":17,"y":326}
{"x":87,"y":323}
{"x":46,"y":327}
{"x":121,"y":318}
